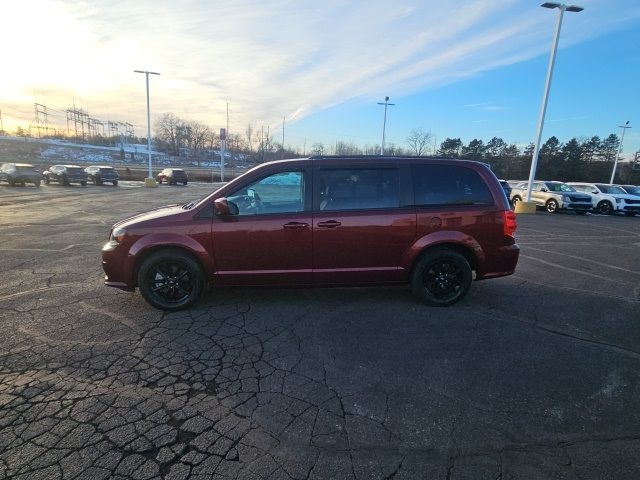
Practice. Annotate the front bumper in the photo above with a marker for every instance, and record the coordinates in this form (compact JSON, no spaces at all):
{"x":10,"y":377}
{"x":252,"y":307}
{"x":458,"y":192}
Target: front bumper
{"x":118,"y":267}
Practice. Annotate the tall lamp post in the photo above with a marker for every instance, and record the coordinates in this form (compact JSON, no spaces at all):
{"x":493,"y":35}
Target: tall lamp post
{"x":615,"y":164}
{"x":384,"y":122}
{"x":545,"y":97}
{"x":149,"y":181}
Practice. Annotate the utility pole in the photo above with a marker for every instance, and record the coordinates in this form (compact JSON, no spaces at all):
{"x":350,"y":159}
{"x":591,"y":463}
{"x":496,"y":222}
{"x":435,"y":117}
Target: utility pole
{"x":282,"y":152}
{"x":384,"y":122}
{"x":1,"y":124}
{"x":545,"y":96}
{"x":149,"y":181}
{"x":615,"y":164}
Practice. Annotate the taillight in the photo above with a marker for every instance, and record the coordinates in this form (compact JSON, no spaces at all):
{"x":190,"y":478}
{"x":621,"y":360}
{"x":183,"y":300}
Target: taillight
{"x":509,"y":223}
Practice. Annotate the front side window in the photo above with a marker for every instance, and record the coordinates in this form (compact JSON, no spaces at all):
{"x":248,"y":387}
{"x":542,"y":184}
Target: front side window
{"x":449,"y":185}
{"x":277,"y":193}
{"x":358,"y":188}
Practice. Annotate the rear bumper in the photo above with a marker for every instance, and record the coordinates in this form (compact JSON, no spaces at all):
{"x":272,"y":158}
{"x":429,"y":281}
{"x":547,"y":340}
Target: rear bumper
{"x":500,"y":263}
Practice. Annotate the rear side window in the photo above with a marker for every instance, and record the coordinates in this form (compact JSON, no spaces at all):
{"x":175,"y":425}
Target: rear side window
{"x":358,"y":188}
{"x":449,"y":185}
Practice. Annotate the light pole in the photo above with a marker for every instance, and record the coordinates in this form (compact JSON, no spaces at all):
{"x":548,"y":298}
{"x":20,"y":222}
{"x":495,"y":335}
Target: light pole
{"x":615,"y":164}
{"x":384,"y":122}
{"x":545,"y":97}
{"x":149,"y":181}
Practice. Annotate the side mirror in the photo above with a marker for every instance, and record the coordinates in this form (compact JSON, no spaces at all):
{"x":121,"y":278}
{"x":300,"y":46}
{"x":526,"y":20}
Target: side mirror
{"x":595,"y":192}
{"x":543,"y":189}
{"x":223,"y":208}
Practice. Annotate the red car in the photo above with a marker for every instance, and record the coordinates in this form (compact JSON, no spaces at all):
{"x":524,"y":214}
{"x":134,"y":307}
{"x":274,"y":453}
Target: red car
{"x":323,"y":221}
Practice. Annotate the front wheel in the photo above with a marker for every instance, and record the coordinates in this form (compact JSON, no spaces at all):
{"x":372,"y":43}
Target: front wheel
{"x":184,"y":183}
{"x":441,"y":277}
{"x":171,"y":280}
{"x":515,"y":201}
{"x":605,"y":208}
{"x":552,"y":206}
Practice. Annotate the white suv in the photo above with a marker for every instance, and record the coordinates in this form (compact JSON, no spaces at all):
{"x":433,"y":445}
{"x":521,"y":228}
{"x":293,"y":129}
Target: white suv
{"x":608,"y":199}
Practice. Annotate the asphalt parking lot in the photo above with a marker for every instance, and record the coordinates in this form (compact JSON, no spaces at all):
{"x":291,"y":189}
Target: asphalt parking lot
{"x":532,"y":376}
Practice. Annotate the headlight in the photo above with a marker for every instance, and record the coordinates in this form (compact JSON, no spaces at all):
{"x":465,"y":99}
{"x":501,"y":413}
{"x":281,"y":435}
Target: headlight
{"x":117,"y":235}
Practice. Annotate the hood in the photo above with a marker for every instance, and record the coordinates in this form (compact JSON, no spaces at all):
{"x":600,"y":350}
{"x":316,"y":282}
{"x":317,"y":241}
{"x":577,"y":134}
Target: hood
{"x":161,"y":212}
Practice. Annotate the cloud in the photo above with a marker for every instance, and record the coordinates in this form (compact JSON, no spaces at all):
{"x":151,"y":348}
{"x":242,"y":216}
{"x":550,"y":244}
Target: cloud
{"x":269,"y":59}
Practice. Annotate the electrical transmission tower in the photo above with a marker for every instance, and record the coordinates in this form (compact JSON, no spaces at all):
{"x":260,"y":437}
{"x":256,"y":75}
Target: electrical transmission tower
{"x":41,"y":120}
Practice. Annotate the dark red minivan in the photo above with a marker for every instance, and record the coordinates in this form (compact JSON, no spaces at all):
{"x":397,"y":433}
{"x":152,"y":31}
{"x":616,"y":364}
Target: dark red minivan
{"x":323,"y":221}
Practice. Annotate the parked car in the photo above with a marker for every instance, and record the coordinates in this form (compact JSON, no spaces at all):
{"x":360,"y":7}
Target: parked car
{"x":101,"y":174}
{"x":553,"y":197}
{"x":65,"y":175}
{"x":173,"y":176}
{"x":323,"y":221}
{"x":631,"y":189}
{"x":20,"y":173}
{"x":506,"y":187}
{"x":609,"y":199}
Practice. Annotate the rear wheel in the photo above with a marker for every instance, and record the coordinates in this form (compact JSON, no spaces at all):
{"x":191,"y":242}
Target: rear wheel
{"x":64,"y":181}
{"x":551,"y":206}
{"x":84,"y":184}
{"x":604,"y":208}
{"x":11,"y":181}
{"x":184,"y":183}
{"x":171,"y":280}
{"x":441,"y":277}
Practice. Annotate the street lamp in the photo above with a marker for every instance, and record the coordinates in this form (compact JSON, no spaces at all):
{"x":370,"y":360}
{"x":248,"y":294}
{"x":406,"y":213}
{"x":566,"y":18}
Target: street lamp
{"x":615,"y":164}
{"x":384,"y":122}
{"x":149,"y":181}
{"x":545,"y":97}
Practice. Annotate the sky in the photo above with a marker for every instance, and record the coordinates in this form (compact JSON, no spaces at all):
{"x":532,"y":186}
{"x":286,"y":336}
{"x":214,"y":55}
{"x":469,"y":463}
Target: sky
{"x":469,"y":69}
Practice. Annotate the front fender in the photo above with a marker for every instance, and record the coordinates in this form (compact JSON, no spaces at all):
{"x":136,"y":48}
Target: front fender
{"x":444,"y":237}
{"x":154,"y":241}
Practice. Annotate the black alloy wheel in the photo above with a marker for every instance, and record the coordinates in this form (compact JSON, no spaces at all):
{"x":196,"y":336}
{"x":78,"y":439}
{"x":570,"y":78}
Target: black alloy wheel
{"x":171,"y":280}
{"x":605,"y":208}
{"x":441,"y":277}
{"x":551,"y":206}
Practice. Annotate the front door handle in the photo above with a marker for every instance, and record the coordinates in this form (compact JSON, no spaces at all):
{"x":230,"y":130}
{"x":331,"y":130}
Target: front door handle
{"x":295,"y":225}
{"x":329,"y":224}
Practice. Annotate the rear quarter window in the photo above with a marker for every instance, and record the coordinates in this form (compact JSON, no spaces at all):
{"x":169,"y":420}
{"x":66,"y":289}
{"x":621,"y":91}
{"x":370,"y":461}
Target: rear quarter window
{"x":449,"y":185}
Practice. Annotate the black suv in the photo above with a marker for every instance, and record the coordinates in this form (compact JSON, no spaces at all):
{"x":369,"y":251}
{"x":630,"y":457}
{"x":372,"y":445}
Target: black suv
{"x":173,"y":176}
{"x":101,"y":174}
{"x":20,"y":173}
{"x":65,"y":175}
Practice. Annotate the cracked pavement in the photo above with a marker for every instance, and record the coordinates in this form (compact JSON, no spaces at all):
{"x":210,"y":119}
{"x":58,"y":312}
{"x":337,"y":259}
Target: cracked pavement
{"x":531,"y":376}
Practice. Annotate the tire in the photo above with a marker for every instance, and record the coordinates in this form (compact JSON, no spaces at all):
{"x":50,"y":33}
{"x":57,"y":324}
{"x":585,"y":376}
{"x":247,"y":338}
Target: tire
{"x":604,"y":208}
{"x":162,"y":272}
{"x":159,"y":181}
{"x":37,"y":183}
{"x":98,"y":181}
{"x":551,"y":206}
{"x":441,"y":277}
{"x":115,"y":183}
{"x":64,"y":181}
{"x":11,"y":181}
{"x":84,"y":184}
{"x":184,"y":183}
{"x":515,"y":200}
{"x":46,"y":180}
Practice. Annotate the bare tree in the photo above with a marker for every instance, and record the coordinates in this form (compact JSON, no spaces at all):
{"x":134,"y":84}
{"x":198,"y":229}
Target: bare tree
{"x":418,"y":141}
{"x":168,"y":130}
